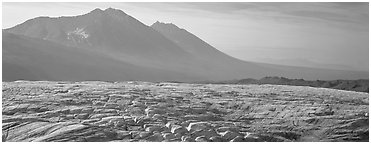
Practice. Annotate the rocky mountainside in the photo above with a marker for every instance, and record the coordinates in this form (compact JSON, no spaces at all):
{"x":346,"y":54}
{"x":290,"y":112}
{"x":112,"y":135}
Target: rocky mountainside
{"x":36,"y":59}
{"x":191,"y":43}
{"x":110,"y":31}
{"x":350,"y":85}
{"x":42,"y":111}
{"x":126,"y":49}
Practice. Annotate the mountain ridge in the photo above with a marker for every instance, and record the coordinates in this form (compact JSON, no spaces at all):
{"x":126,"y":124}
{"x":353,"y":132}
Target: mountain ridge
{"x":360,"y":85}
{"x":37,"y":59}
{"x":164,"y":47}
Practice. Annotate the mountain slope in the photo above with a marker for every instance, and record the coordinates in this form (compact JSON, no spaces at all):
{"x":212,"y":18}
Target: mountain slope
{"x":190,"y":43}
{"x":201,"y":49}
{"x":117,"y":34}
{"x":106,"y":44}
{"x":110,"y":30}
{"x":34,"y":59}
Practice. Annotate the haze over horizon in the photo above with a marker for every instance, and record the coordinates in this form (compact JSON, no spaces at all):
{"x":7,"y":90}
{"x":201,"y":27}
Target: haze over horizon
{"x":332,"y":35}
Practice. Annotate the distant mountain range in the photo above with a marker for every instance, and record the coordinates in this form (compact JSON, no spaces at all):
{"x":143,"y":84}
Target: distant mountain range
{"x":307,"y":63}
{"x":110,"y":45}
{"x":360,"y":85}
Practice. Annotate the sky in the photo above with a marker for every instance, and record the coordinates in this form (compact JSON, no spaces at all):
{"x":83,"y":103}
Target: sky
{"x":333,"y":35}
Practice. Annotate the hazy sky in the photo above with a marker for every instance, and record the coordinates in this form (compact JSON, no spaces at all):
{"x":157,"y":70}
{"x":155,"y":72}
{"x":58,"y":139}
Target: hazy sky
{"x":326,"y":33}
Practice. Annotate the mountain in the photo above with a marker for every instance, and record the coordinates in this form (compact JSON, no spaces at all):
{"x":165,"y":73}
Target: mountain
{"x":110,"y":45}
{"x":190,"y":43}
{"x":307,"y":63}
{"x":201,"y":49}
{"x":29,"y":58}
{"x":110,"y":31}
{"x":360,"y":85}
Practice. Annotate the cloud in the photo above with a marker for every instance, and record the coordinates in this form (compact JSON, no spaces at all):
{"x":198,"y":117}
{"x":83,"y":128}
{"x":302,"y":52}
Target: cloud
{"x":341,"y":15}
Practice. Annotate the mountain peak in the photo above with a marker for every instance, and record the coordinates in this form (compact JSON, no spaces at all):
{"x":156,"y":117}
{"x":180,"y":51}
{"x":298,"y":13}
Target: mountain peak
{"x":97,"y":10}
{"x":162,"y":25}
{"x":114,"y":11}
{"x":111,"y":9}
{"x":108,"y":12}
{"x":165,"y":24}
